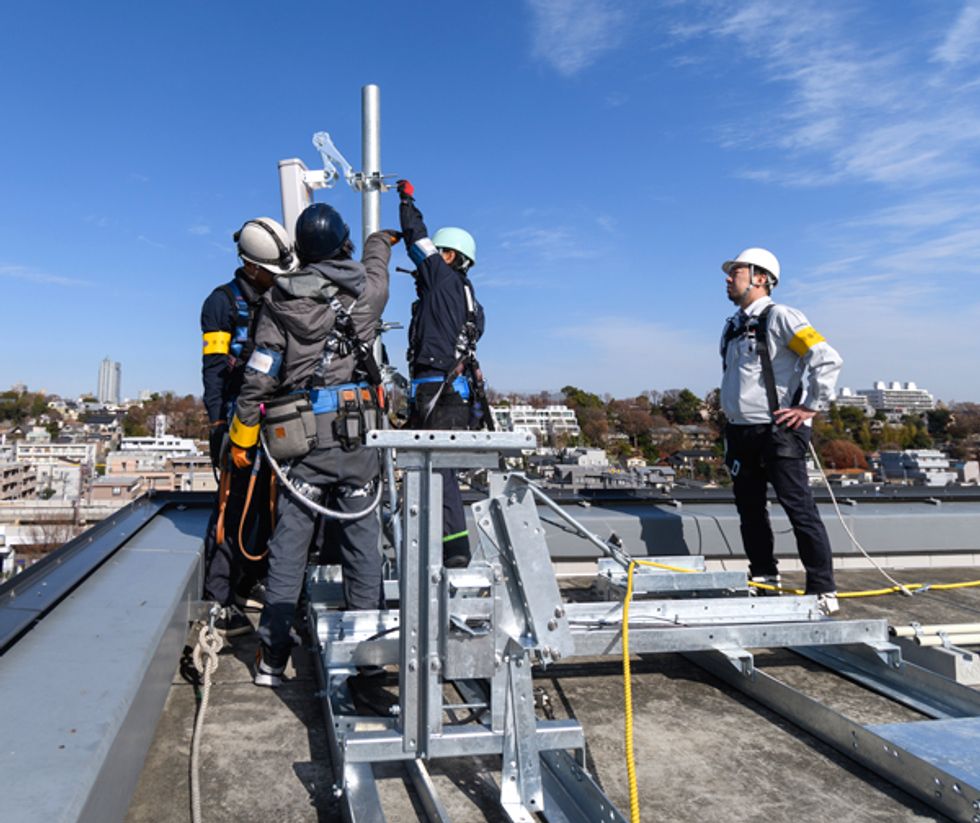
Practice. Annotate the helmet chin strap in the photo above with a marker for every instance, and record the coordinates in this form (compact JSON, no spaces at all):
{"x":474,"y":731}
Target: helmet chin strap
{"x":745,"y":292}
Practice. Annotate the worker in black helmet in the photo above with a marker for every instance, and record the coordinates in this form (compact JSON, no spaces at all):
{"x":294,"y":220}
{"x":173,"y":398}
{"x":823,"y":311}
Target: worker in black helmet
{"x":241,"y":523}
{"x":314,"y":329}
{"x":446,"y":381}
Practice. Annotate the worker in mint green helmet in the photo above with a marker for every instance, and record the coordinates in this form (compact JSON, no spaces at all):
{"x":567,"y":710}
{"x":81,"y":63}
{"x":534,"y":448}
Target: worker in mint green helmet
{"x":447,"y":390}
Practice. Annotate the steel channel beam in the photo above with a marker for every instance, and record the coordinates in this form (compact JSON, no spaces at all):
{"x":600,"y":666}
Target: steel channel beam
{"x":570,"y":793}
{"x":676,"y":582}
{"x":724,"y":610}
{"x":597,"y":642}
{"x":909,"y":684}
{"x":384,"y":746}
{"x":915,"y":775}
{"x":428,"y":797}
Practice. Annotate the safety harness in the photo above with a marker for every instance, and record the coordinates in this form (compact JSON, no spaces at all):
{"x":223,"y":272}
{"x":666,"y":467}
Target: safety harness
{"x":243,"y":322}
{"x":757,"y":328}
{"x":465,"y":376}
{"x":350,"y":400}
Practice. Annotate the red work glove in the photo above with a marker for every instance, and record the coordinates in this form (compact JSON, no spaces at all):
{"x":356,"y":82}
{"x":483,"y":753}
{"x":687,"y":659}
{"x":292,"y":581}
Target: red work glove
{"x":405,"y":189}
{"x":393,"y":236}
{"x":239,"y":457}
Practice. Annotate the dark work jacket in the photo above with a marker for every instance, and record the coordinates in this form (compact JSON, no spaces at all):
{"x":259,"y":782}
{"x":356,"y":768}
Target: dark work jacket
{"x":221,"y":371}
{"x":439,"y":313}
{"x":297,"y":318}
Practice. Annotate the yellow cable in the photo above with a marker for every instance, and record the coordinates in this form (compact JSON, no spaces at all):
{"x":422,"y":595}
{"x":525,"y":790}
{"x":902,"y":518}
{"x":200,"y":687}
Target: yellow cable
{"x":628,"y":697}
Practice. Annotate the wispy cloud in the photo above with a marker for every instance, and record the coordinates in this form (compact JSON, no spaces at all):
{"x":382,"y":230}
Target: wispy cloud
{"x":33,"y":275}
{"x":571,"y":35}
{"x":963,"y":39}
{"x":136,"y":177}
{"x":199,"y":229}
{"x":550,"y":244}
{"x":144,"y":239}
{"x":850,"y":108}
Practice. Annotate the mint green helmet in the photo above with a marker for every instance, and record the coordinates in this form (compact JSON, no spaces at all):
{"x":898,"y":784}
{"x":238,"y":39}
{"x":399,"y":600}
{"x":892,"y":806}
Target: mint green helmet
{"x":456,"y":239}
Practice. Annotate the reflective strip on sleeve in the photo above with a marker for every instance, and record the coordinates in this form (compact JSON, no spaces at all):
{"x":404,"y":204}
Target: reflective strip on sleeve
{"x":241,"y":435}
{"x":216,"y":342}
{"x":421,"y":249}
{"x":804,"y":340}
{"x":265,"y":361}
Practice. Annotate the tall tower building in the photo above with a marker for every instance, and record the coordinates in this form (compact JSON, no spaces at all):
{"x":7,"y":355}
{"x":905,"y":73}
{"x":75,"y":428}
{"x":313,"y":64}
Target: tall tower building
{"x":110,"y":379}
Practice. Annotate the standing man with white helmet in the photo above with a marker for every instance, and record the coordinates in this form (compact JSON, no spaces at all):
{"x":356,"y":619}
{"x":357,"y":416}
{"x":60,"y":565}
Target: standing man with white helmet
{"x":447,"y":321}
{"x":240,"y":525}
{"x":778,"y":373}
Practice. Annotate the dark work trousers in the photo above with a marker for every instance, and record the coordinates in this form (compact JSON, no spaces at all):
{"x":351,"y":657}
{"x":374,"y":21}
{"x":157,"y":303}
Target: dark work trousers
{"x":248,"y":524}
{"x":756,"y":455}
{"x":337,"y":474}
{"x":451,"y":412}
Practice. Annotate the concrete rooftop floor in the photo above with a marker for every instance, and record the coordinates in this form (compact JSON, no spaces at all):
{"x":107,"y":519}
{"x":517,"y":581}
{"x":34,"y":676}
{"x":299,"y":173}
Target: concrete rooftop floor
{"x":703,"y":752}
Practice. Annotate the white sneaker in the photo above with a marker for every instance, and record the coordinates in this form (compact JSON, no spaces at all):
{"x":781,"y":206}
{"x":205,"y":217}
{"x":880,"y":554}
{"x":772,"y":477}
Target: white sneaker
{"x":827,"y":603}
{"x":265,"y":673}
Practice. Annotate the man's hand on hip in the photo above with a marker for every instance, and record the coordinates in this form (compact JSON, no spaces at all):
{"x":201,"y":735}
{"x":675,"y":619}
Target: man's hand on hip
{"x":793,"y":417}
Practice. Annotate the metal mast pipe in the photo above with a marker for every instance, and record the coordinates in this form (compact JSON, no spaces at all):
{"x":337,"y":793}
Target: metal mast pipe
{"x":371,"y":159}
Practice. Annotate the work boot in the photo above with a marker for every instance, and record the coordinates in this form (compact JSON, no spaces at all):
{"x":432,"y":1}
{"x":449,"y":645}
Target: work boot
{"x":456,"y":561}
{"x":267,"y":673}
{"x":828,"y":604}
{"x":253,"y":599}
{"x":765,"y":580}
{"x":232,"y":622}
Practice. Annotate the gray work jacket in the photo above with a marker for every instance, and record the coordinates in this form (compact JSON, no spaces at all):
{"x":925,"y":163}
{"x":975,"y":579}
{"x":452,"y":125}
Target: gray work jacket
{"x":797,"y":350}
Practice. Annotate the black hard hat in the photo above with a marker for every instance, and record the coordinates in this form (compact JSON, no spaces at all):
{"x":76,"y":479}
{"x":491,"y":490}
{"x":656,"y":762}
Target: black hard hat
{"x":320,"y":232}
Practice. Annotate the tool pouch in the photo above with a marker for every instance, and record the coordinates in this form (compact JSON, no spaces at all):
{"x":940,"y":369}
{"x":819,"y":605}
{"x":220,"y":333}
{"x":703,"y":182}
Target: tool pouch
{"x":357,"y":413}
{"x":289,"y":427}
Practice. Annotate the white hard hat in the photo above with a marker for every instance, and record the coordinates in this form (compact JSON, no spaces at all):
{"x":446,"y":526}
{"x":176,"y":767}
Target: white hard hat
{"x":760,"y":258}
{"x":264,"y":241}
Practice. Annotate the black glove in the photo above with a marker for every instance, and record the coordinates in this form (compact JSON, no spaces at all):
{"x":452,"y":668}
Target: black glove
{"x":216,"y":439}
{"x":405,"y":190}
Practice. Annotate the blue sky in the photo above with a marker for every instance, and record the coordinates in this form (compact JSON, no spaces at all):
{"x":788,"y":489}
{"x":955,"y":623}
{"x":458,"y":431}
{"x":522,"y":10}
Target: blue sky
{"x":607,"y":157}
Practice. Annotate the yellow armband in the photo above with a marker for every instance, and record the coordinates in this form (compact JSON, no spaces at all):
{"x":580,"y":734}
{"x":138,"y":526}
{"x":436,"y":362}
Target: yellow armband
{"x":241,"y":435}
{"x":804,"y":340}
{"x":216,"y":342}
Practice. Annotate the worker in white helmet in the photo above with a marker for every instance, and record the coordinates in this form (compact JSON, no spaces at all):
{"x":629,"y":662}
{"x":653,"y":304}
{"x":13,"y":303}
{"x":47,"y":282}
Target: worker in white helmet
{"x":778,"y":372}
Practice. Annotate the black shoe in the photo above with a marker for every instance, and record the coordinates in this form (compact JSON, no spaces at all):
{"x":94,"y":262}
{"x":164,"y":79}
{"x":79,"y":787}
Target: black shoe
{"x":253,"y":599}
{"x":457,"y":561}
{"x":232,"y":623}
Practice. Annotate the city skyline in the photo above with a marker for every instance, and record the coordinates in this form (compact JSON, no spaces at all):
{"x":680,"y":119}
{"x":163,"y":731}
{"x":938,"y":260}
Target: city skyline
{"x":607,"y":157}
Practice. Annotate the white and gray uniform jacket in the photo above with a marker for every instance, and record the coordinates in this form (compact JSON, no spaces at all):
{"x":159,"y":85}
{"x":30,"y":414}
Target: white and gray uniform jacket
{"x":795,"y":347}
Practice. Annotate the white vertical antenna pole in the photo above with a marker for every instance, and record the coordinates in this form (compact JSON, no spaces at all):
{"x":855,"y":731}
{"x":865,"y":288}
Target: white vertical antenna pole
{"x":370,"y":159}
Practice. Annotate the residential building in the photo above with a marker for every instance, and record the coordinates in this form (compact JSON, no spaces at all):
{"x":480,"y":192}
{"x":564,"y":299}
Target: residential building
{"x":542,"y":423}
{"x":118,"y":488}
{"x":920,"y":467}
{"x":17,"y":481}
{"x":967,"y":472}
{"x":110,"y":381}
{"x":847,"y":397}
{"x":898,"y":398}
{"x":44,"y":450}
